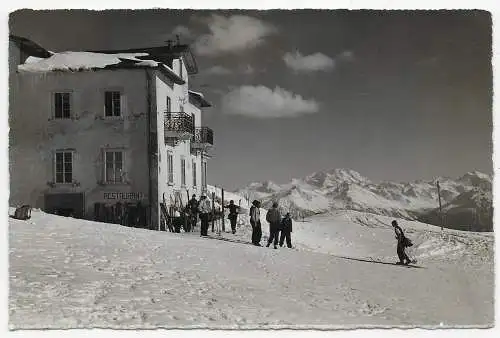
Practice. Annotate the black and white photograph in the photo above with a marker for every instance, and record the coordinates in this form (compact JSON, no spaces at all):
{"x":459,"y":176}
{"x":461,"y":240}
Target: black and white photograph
{"x":245,"y":169}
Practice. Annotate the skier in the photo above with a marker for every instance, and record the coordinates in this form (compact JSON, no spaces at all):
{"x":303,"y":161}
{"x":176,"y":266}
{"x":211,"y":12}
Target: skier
{"x":204,"y":209}
{"x":233,"y":214}
{"x":273,"y":217}
{"x":286,"y":229}
{"x":255,"y":222}
{"x":403,"y":242}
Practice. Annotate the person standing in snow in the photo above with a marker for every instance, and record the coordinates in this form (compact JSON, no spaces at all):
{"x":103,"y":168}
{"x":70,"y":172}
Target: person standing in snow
{"x":192,"y":208}
{"x":233,"y":214}
{"x":286,"y":230}
{"x":403,"y":242}
{"x":273,"y":217}
{"x":204,"y":209}
{"x":255,"y":222}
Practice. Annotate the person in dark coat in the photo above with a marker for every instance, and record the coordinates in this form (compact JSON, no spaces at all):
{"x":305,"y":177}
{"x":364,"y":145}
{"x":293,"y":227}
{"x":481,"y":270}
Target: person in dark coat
{"x":403,"y":242}
{"x":192,"y":209}
{"x":233,"y":214}
{"x":274,"y":218}
{"x":286,"y":230}
{"x":255,"y":222}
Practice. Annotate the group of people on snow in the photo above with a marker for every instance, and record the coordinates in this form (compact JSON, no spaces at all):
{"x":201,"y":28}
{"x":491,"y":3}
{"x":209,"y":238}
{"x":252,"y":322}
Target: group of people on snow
{"x":202,"y":208}
{"x":276,"y":225}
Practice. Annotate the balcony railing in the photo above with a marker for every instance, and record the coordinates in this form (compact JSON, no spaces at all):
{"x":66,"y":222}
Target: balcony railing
{"x":202,"y":138}
{"x":178,"y":125}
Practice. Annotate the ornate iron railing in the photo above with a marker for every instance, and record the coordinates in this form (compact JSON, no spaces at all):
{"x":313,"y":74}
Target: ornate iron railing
{"x":203,"y":136}
{"x":178,"y":122}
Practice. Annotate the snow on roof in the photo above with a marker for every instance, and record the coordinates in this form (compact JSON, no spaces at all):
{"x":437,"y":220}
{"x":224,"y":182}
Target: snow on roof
{"x":78,"y":61}
{"x":200,"y":98}
{"x":195,"y":93}
{"x":72,"y":61}
{"x":33,"y":59}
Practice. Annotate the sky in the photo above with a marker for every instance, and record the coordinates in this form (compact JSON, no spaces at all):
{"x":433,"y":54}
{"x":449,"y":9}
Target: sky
{"x":394,"y":95}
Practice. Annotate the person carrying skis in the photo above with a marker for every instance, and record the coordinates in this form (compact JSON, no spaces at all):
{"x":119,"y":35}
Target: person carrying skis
{"x":233,"y":214}
{"x":273,"y":217}
{"x":286,"y":230}
{"x":204,"y":208}
{"x":403,"y":242}
{"x":255,"y":222}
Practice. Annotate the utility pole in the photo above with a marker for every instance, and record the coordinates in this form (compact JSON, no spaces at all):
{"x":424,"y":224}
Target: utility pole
{"x":222,"y":207}
{"x":440,"y":207}
{"x":213,"y":211}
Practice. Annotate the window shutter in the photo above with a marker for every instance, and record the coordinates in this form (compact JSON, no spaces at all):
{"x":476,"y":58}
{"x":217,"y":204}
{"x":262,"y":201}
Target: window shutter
{"x":57,"y":105}
{"x":108,"y":99}
{"x":117,"y":109}
{"x":66,"y":105}
{"x":123,"y":105}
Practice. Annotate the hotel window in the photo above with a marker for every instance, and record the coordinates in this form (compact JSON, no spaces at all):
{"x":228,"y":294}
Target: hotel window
{"x":112,"y":103}
{"x":113,"y":166}
{"x":194,"y":174}
{"x":204,"y":174}
{"x":170,"y":168}
{"x":62,"y":105}
{"x":63,"y":166}
{"x":169,"y":104}
{"x":183,"y":171}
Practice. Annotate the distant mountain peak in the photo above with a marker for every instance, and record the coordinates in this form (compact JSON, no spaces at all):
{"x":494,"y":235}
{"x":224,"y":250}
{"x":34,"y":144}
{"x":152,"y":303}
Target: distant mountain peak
{"x":333,"y":177}
{"x":340,"y":188}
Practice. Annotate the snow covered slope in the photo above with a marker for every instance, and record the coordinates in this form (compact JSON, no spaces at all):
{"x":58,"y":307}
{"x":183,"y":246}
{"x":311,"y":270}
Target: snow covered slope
{"x":69,"y":273}
{"x":343,"y":189}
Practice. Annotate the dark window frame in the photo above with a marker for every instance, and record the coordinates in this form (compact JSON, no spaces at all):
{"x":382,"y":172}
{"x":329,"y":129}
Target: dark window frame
{"x":113,"y":103}
{"x":63,"y":166}
{"x":62,"y":105}
{"x":111,"y":161}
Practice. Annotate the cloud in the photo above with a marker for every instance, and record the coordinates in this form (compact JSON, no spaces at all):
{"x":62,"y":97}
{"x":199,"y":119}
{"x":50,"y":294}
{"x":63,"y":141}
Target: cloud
{"x":218,"y":70}
{"x":232,"y":34}
{"x":263,"y":102}
{"x":309,"y":63}
{"x":347,"y":55}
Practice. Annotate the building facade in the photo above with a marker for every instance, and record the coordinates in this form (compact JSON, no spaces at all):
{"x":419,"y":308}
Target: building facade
{"x":105,"y":135}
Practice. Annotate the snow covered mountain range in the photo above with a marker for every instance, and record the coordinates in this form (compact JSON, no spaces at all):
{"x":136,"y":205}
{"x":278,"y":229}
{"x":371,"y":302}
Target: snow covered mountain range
{"x":466,"y":201}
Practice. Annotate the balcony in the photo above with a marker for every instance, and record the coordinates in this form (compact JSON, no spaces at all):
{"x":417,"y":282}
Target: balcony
{"x":178,"y":126}
{"x":202,"y":138}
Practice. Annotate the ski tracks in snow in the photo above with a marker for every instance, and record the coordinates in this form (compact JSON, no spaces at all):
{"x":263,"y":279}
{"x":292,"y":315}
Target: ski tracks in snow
{"x":71,"y":273}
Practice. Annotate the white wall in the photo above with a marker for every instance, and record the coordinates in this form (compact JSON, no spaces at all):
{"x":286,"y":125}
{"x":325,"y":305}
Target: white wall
{"x":34,"y":134}
{"x":179,"y":96}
